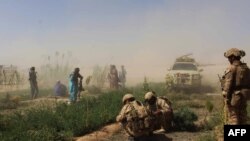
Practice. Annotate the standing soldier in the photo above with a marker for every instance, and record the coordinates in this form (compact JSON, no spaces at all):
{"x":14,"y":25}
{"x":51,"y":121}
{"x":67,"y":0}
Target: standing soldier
{"x":33,"y":83}
{"x":160,"y":109}
{"x":74,"y":84}
{"x":236,"y":88}
{"x":113,"y":77}
{"x":133,"y":117}
{"x":122,"y":76}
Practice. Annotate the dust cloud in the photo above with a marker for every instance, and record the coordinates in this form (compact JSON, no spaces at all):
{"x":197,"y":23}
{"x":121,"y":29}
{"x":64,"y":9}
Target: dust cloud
{"x":144,"y":61}
{"x":147,"y":43}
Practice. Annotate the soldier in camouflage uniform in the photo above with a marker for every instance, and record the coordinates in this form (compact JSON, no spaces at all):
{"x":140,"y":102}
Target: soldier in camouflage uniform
{"x":133,"y":117}
{"x":236,"y":87}
{"x":159,"y":108}
{"x":33,"y":83}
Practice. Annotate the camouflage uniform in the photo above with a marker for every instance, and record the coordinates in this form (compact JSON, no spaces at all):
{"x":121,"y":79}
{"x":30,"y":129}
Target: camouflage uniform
{"x":113,"y":77}
{"x":133,"y":117}
{"x":161,"y":105}
{"x":33,"y":83}
{"x":236,"y":84}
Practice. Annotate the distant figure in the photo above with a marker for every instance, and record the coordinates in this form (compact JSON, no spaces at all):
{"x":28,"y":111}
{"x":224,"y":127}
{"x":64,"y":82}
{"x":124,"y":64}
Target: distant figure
{"x":74,"y":84}
{"x":60,"y":89}
{"x":113,"y":77}
{"x":33,"y":83}
{"x":122,"y":76}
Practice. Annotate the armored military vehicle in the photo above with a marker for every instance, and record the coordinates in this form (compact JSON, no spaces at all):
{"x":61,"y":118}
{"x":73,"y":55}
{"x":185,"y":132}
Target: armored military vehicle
{"x":184,"y":74}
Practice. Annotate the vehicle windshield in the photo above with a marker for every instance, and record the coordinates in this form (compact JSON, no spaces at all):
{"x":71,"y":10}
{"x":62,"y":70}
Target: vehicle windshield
{"x":184,"y":66}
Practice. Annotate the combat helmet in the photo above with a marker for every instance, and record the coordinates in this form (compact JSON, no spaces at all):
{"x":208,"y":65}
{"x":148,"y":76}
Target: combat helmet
{"x":149,"y":95}
{"x":126,"y":97}
{"x":234,"y":52}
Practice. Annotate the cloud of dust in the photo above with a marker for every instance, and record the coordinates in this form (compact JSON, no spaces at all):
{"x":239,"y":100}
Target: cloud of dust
{"x":152,"y":50}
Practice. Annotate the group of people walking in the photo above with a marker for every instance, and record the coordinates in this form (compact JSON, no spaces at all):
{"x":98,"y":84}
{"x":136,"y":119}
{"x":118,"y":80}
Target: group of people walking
{"x":116,"y":80}
{"x":75,"y":85}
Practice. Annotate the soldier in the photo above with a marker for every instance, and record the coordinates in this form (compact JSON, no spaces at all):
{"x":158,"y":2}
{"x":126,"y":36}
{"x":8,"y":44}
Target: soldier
{"x":122,"y":76}
{"x":113,"y":77}
{"x":236,"y":88}
{"x":133,"y":117}
{"x":33,"y":83}
{"x":74,"y":84}
{"x":160,"y":109}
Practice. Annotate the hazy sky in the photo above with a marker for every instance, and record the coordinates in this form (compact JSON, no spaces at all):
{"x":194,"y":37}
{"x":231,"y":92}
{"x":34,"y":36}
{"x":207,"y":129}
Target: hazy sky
{"x":144,"y":35}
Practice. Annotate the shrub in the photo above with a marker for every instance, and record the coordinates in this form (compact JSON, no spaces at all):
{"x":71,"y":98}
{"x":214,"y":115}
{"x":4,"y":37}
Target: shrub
{"x":93,"y":89}
{"x":207,"y":137}
{"x":184,"y":120}
{"x":9,"y":102}
{"x":213,"y":121}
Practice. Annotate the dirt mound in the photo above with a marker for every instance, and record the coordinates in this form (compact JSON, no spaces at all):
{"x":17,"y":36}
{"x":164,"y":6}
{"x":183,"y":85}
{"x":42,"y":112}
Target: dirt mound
{"x":101,"y":134}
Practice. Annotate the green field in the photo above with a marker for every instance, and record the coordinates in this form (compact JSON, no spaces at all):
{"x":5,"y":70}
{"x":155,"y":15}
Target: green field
{"x":64,"y":122}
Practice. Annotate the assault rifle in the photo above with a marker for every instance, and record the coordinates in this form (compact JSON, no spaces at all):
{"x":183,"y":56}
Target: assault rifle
{"x":229,"y":95}
{"x":220,"y":79}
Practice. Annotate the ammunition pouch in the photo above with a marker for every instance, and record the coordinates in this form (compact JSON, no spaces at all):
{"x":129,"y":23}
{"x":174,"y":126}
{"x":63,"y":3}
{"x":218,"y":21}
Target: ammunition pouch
{"x":136,"y":125}
{"x":244,"y":91}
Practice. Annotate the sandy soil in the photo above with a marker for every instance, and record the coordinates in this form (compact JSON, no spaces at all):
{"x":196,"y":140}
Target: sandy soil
{"x":101,"y":135}
{"x":113,"y":132}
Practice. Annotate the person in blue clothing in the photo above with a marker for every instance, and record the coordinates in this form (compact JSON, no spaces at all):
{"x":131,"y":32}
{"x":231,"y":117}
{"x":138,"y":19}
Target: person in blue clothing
{"x":74,"y":84}
{"x":60,"y":89}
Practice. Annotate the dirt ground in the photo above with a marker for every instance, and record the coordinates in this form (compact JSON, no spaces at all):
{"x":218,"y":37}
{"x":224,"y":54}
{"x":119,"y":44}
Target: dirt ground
{"x":113,"y":132}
